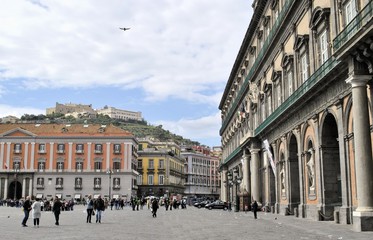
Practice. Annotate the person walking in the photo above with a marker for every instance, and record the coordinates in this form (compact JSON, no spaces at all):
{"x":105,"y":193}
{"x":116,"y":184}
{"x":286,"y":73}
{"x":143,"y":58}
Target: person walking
{"x":57,"y":205}
{"x":155,"y":207}
{"x":254,"y":207}
{"x":26,"y":210}
{"x":36,"y":213}
{"x":89,"y":208}
{"x":99,"y":205}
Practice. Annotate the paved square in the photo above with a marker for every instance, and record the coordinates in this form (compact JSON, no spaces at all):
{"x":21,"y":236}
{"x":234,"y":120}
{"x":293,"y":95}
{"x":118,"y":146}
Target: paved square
{"x":190,"y":223}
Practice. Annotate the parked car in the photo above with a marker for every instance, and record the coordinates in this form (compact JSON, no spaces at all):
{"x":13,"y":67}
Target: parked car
{"x":218,"y":204}
{"x":201,"y":204}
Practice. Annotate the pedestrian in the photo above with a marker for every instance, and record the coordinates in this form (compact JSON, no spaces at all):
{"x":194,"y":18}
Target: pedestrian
{"x":26,"y":210}
{"x":57,"y":205}
{"x":229,"y":206}
{"x":155,"y":207}
{"x":99,"y":205}
{"x":89,"y":208}
{"x":36,"y":213}
{"x":254,"y":207}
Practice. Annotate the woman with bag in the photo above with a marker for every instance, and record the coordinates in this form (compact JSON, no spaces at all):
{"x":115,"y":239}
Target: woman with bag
{"x":90,"y":211}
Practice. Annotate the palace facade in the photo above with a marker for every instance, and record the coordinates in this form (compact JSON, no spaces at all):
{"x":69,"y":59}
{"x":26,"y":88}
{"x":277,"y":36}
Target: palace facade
{"x":297,"y":112}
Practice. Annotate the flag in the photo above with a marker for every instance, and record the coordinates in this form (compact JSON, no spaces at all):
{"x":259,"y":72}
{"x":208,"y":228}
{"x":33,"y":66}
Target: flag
{"x":6,"y":166}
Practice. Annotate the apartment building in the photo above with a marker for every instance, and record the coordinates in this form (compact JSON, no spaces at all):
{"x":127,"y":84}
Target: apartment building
{"x":67,"y":160}
{"x":161,"y":169}
{"x":297,"y":112}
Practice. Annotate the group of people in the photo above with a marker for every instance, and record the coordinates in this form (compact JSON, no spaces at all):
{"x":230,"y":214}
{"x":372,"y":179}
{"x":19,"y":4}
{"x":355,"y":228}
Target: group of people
{"x":95,"y":207}
{"x":36,"y":209}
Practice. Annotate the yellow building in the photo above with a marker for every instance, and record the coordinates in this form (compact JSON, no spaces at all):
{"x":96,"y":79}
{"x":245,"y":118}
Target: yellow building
{"x":161,"y":169}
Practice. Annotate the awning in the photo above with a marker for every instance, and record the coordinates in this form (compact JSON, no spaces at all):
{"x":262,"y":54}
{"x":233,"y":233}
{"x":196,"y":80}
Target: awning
{"x":39,"y":195}
{"x":115,"y":196}
{"x":77,"y":196}
{"x":59,"y":195}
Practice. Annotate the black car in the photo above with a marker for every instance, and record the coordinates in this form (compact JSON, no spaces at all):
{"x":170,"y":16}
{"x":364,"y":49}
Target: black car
{"x":201,"y":204}
{"x":217,"y":205}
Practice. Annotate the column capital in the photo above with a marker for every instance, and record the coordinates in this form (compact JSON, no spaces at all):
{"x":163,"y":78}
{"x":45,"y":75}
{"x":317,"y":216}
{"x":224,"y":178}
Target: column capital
{"x":358,"y":80}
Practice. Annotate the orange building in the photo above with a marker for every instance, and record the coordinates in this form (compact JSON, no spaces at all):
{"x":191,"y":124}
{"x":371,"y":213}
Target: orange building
{"x":67,"y":160}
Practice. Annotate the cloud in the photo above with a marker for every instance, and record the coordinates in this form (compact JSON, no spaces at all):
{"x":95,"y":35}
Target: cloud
{"x":204,"y":129}
{"x":174,"y":49}
{"x":8,"y":110}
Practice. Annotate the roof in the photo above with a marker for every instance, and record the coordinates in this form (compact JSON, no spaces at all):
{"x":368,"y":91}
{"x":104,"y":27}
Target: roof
{"x":97,"y":130}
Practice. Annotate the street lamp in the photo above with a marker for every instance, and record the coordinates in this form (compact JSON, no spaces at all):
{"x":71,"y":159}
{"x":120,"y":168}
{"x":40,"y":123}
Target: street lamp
{"x":109,"y":171}
{"x":229,"y":184}
{"x":237,"y":181}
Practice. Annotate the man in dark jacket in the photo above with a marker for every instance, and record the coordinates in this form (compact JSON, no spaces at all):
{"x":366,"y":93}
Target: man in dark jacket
{"x":26,"y":210}
{"x":155,"y":207}
{"x":254,"y":206}
{"x":57,"y":205}
{"x":99,"y":206}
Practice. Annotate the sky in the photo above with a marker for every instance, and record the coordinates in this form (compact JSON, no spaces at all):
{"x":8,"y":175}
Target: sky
{"x":172,"y":64}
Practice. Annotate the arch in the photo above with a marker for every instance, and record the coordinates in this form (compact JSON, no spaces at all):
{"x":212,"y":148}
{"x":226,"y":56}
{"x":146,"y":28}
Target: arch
{"x":15,"y":190}
{"x":294,"y":182}
{"x":318,"y":16}
{"x":331,"y":167}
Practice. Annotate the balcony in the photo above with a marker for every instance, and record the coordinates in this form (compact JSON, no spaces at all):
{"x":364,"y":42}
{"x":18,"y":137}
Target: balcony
{"x":258,"y":60}
{"x":42,"y":152}
{"x":60,"y":151}
{"x":17,"y":151}
{"x":117,"y":152}
{"x":78,"y":187}
{"x":79,"y":151}
{"x":59,"y":187}
{"x":352,"y":30}
{"x":315,"y":78}
{"x":116,"y":187}
{"x":97,"y":187}
{"x":40,"y":186}
{"x":98,"y":151}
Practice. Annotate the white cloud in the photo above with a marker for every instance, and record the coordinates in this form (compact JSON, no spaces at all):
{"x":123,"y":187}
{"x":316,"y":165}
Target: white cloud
{"x":7,"y":110}
{"x":180,"y":49}
{"x":204,"y":129}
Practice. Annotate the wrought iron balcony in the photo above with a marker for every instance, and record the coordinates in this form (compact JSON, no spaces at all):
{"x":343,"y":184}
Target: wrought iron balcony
{"x":361,"y":20}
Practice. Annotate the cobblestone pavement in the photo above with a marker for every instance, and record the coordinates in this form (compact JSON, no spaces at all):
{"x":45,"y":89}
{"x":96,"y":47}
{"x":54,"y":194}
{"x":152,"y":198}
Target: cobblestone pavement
{"x":190,"y":223}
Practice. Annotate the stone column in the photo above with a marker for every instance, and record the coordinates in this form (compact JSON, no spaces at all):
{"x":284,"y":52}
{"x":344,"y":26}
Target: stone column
{"x":25,"y":161}
{"x":6,"y":188}
{"x":255,"y":193}
{"x":363,"y":215}
{"x":108,"y":160}
{"x":51,"y":162}
{"x":32,"y":156}
{"x":224,"y":186}
{"x":30,"y":187}
{"x":2,"y":156}
{"x":24,"y":188}
{"x":245,"y":171}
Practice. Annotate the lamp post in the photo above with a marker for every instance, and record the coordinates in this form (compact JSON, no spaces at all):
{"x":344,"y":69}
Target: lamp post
{"x":109,"y":171}
{"x":229,"y":184}
{"x":237,"y":181}
{"x":16,"y":171}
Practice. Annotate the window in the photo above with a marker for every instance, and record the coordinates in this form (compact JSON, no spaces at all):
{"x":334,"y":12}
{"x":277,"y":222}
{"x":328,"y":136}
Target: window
{"x":79,"y":148}
{"x":150,"y":179}
{"x":40,"y":182}
{"x":278,"y":95}
{"x":323,"y":45}
{"x":161,"y":163}
{"x":350,"y":11}
{"x":79,"y":166}
{"x":60,"y":148}
{"x":139,"y":179}
{"x":139,"y":164}
{"x":116,"y":183}
{"x":17,"y":148}
{"x":304,"y":67}
{"x":41,"y":166}
{"x":269,"y":99}
{"x":116,"y":166}
{"x":151,"y":164}
{"x":42,"y":148}
{"x":98,"y":166}
{"x":60,"y":166}
{"x":59,"y":182}
{"x":116,"y":148}
{"x":98,"y":148}
{"x":290,"y":82}
{"x":97,"y":183}
{"x":78,"y":182}
{"x":140,"y":147}
{"x":161,"y":179}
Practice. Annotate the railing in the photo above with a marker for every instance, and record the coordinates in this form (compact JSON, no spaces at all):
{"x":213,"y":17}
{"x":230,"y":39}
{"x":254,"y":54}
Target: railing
{"x":258,"y":60}
{"x":304,"y":88}
{"x":361,"y":19}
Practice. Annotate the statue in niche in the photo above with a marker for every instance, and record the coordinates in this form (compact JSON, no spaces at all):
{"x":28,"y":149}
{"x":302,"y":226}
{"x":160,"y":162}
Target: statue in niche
{"x":311,"y":170}
{"x":282,"y":177}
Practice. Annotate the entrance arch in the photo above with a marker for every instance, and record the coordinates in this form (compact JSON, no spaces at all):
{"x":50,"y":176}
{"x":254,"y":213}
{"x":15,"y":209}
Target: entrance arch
{"x":15,"y":190}
{"x":332,"y":191}
{"x":294,"y":183}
